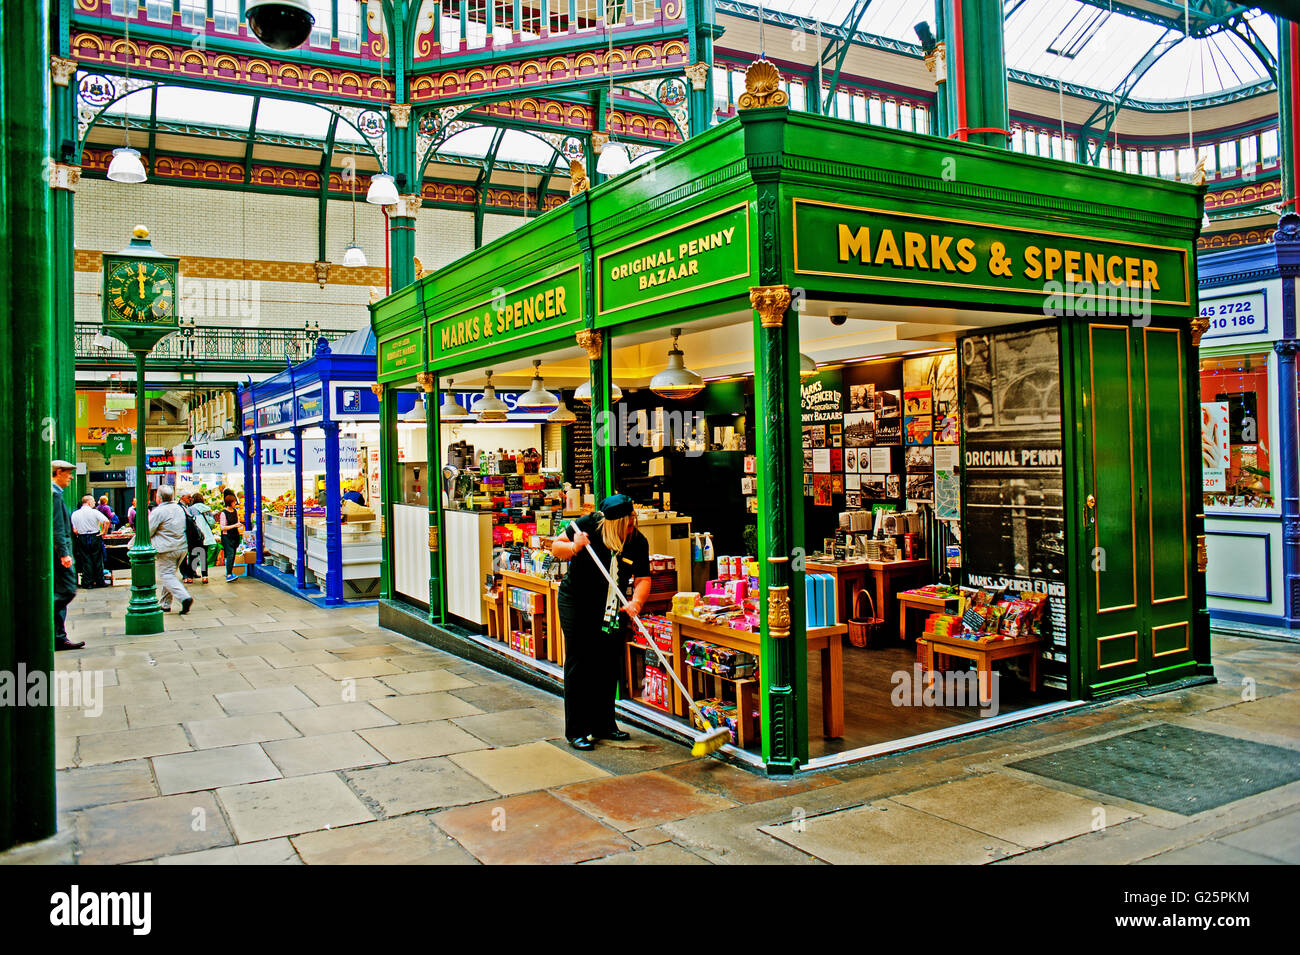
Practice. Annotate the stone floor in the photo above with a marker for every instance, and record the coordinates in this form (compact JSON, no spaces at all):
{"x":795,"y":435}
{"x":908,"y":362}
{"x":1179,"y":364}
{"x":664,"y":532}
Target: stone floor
{"x":260,"y":729}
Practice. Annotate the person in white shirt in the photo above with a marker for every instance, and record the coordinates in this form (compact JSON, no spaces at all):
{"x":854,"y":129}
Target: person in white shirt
{"x":88,"y":528}
{"x":167,"y":535}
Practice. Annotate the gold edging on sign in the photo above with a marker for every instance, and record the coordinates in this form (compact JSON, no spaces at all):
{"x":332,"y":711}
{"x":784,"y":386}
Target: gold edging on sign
{"x":600,"y":274}
{"x":794,"y":224}
{"x":1187,"y":639}
{"x":400,"y":373}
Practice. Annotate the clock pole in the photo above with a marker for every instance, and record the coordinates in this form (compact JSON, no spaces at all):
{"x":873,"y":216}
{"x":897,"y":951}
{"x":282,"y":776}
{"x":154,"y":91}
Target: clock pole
{"x":143,"y":615}
{"x":140,"y":319}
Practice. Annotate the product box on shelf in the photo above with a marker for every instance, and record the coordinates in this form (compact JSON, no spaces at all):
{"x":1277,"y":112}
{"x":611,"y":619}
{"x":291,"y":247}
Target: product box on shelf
{"x":660,"y":630}
{"x":655,"y":689}
{"x":684,"y":603}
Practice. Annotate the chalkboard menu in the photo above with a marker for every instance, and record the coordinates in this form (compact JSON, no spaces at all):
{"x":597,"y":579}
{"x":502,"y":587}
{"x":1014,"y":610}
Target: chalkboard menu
{"x":1012,"y":476}
{"x":577,"y":459}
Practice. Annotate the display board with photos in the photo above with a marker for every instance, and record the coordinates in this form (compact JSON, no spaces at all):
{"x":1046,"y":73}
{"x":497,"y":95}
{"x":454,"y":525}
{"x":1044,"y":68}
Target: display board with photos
{"x":822,"y":402}
{"x":1012,"y":473}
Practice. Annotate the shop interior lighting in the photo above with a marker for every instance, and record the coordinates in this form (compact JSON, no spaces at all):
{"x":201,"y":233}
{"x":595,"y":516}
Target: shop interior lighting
{"x":490,"y":409}
{"x":537,"y":400}
{"x":562,"y":415}
{"x":807,"y":366}
{"x":676,"y":381}
{"x":451,"y":408}
{"x":416,"y":415}
{"x":583,"y":393}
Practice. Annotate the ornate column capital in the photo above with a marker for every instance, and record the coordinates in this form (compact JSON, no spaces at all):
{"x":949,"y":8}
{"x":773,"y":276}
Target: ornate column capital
{"x":762,"y":86}
{"x":1287,"y":347}
{"x":778,"y":612}
{"x":590,"y":342}
{"x":406,"y":207}
{"x":401,"y":114}
{"x":698,"y":74}
{"x":598,"y":141}
{"x":936,"y":61}
{"x":1199,"y":327}
{"x":420,"y":270}
{"x":578,"y":181}
{"x":426,"y":381}
{"x":61,"y":70}
{"x":1202,"y":558}
{"x":64,"y":176}
{"x":322,"y":272}
{"x":377,"y":390}
{"x":771,"y":303}
{"x":433,"y":540}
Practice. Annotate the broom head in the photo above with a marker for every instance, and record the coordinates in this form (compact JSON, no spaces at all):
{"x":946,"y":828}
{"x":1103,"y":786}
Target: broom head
{"x":711,"y":742}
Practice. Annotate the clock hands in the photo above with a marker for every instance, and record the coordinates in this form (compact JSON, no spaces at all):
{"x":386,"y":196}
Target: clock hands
{"x":140,"y":278}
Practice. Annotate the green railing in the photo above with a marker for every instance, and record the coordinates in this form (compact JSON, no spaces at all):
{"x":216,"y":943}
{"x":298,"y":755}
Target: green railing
{"x":194,"y":346}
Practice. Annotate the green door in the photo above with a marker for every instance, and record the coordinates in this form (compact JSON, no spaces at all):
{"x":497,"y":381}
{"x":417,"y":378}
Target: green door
{"x":1135,"y":506}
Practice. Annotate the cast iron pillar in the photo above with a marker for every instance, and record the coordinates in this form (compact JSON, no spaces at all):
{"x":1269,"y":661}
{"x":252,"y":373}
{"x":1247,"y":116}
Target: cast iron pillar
{"x":143,"y":615}
{"x":63,"y":178}
{"x":701,"y":31}
{"x":433,"y":461}
{"x":973,"y":101}
{"x":1288,"y":85}
{"x":783,"y":641}
{"x":27,"y":806}
{"x":388,"y":484}
{"x":333,"y":516}
{"x":1287,"y":242}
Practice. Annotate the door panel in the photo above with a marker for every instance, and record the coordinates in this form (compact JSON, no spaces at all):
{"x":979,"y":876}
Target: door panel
{"x":1114,"y":565}
{"x":1166,"y":425}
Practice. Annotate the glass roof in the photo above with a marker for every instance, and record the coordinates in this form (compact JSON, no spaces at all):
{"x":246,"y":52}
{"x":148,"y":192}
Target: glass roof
{"x":1086,"y":44}
{"x":515,"y":146}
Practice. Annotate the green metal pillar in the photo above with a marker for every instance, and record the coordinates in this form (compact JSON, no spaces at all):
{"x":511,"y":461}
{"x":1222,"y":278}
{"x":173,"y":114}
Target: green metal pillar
{"x":783,"y":641}
{"x":401,"y":151}
{"x":63,"y":178}
{"x":701,"y":31}
{"x":976,"y":90}
{"x":27,"y":805}
{"x":1288,"y":85}
{"x":143,"y":615}
{"x":389,"y":485}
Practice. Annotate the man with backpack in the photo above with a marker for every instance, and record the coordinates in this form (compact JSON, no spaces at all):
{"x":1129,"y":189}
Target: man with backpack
{"x":167,"y":534}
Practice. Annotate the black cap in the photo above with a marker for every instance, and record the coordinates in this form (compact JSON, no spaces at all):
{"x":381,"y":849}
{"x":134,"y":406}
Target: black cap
{"x":616,"y":506}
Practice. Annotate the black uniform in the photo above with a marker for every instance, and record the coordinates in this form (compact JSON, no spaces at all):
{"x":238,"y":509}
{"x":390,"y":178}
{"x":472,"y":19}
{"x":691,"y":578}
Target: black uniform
{"x":65,"y":578}
{"x":593,"y":657}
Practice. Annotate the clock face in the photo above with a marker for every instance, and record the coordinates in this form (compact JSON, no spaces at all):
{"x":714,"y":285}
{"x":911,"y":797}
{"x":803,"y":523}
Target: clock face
{"x":141,"y":293}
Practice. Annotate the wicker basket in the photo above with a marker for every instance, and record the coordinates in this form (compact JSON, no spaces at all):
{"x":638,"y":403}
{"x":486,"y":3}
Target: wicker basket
{"x":863,"y":628}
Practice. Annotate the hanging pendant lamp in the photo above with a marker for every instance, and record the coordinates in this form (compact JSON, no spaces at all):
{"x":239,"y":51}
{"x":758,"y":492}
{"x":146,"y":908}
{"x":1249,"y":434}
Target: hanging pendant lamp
{"x":807,"y":367}
{"x":583,"y":393}
{"x":417,"y":413}
{"x":490,"y":408}
{"x":382,"y":191}
{"x":451,"y":408}
{"x":614,"y":160}
{"x":562,"y":414}
{"x":537,"y":400}
{"x":676,"y":381}
{"x":126,"y":165}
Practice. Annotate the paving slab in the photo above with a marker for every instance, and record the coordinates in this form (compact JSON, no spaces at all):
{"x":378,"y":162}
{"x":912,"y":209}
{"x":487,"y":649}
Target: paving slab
{"x":233,"y":730}
{"x":422,"y":707}
{"x":518,"y":769}
{"x":663,"y":854}
{"x":147,"y":828}
{"x":176,"y":711}
{"x":211,"y":768}
{"x":338,"y":718}
{"x":100,"y":785}
{"x":356,"y":669}
{"x":325,"y":692}
{"x":268,"y":852}
{"x":411,"y":840}
{"x":425,"y":681}
{"x":1209,"y":853}
{"x":1278,"y":839}
{"x":416,"y":785}
{"x":285,"y":807}
{"x":512,"y":727}
{"x":739,"y":786}
{"x":131,"y":744}
{"x":271,"y":699}
{"x":418,"y":740}
{"x":535,"y":828}
{"x":640,"y":800}
{"x":321,"y":753}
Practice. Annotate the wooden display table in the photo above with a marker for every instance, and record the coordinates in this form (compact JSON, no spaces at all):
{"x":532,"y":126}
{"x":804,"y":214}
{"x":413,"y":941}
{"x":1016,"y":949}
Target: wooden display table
{"x":933,"y":645}
{"x":827,"y":640}
{"x":886,"y":576}
{"x":549,"y":589}
{"x":909,"y":601}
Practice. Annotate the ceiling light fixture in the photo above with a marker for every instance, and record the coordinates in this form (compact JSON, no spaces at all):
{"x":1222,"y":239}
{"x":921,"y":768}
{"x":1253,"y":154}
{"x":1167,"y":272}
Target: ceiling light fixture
{"x":562,"y":415}
{"x":583,"y":393}
{"x":807,"y":367}
{"x":489,"y":408}
{"x":417,"y":414}
{"x":537,"y":400}
{"x":451,"y":408}
{"x":676,"y":381}
{"x":382,"y":191}
{"x":126,"y":165}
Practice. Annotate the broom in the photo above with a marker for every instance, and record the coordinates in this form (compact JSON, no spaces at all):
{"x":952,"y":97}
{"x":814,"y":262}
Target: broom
{"x":705,"y":742}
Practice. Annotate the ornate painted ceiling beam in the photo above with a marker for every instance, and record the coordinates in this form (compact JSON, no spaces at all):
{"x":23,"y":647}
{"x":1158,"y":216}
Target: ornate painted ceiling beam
{"x":480,"y":184}
{"x":252,"y":130}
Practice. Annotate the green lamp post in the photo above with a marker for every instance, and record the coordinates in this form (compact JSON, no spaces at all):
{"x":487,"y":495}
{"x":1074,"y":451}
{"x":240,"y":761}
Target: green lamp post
{"x":139,"y":308}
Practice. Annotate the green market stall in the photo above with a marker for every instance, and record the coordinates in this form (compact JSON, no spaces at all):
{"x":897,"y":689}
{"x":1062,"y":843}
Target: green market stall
{"x":1049,"y":279}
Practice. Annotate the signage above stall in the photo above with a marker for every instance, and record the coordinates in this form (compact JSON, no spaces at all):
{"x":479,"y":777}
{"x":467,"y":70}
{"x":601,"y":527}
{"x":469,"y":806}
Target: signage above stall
{"x":279,"y":414}
{"x":1235,"y":315}
{"x":401,"y":356}
{"x":509,"y":320}
{"x":706,"y":252}
{"x":227,"y":457}
{"x":356,"y":402}
{"x":881,"y":245}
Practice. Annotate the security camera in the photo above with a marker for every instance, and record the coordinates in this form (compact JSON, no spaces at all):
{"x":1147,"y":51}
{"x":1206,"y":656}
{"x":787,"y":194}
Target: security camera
{"x":839,"y":318}
{"x":280,"y":24}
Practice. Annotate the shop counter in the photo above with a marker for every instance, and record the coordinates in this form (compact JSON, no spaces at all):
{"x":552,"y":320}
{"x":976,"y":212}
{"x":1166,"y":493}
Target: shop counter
{"x":886,"y":578}
{"x":361,"y":550}
{"x":468,"y":544}
{"x":827,"y":640}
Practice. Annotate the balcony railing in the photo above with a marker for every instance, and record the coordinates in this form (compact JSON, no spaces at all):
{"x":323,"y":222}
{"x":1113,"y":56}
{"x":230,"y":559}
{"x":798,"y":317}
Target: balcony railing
{"x":196,"y":346}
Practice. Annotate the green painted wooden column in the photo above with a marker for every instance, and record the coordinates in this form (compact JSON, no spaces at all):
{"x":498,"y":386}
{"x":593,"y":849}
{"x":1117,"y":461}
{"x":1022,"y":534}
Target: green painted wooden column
{"x":389,"y":486}
{"x":433,"y":461}
{"x":27,"y":804}
{"x":63,"y":178}
{"x":975,"y":94}
{"x":701,"y":31}
{"x":783,"y":640}
{"x":600,"y":375}
{"x":1288,"y":84}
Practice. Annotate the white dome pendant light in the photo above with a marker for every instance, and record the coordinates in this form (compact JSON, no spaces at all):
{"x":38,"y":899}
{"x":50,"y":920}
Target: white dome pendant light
{"x":562,"y":414}
{"x":490,"y":409}
{"x":583,"y":393}
{"x":676,"y":381}
{"x":452,"y":410}
{"x":537,"y":400}
{"x":126,"y":165}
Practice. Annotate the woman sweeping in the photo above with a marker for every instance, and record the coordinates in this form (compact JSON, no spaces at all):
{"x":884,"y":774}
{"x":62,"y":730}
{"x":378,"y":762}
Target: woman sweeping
{"x":589,"y":610}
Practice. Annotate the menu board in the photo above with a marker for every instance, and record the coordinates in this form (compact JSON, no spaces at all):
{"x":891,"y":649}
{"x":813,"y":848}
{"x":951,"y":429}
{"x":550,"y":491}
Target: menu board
{"x":1012,"y":473}
{"x":577,"y":465}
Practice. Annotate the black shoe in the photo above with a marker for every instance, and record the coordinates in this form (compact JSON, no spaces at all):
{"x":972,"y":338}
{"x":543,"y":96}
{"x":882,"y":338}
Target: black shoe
{"x":186,"y":604}
{"x":614,"y":734}
{"x":582,"y":743}
{"x":63,"y":643}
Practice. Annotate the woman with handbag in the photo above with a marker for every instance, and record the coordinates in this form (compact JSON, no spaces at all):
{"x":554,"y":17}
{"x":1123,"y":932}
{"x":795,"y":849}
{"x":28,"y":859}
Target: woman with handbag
{"x":232,"y":529}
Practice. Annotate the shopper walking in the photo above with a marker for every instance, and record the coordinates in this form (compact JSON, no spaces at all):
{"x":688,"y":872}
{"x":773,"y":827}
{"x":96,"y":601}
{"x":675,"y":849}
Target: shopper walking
{"x":199,"y":538}
{"x":232,"y":529}
{"x":65,"y":574}
{"x":88,"y":526}
{"x":589,"y":614}
{"x":167,"y":534}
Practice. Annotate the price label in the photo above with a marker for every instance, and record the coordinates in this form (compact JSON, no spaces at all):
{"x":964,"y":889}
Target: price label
{"x":1236,"y":315}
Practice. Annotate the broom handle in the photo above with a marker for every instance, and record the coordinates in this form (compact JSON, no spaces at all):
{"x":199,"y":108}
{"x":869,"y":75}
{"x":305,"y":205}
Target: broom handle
{"x":649,"y":640}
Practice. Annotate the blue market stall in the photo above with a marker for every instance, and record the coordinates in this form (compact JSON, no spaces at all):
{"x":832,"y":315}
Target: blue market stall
{"x":317,"y":416}
{"x":1250,"y":447}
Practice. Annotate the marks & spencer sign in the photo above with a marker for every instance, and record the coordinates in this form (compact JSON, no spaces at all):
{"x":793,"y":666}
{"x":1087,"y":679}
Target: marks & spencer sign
{"x":511,"y":318}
